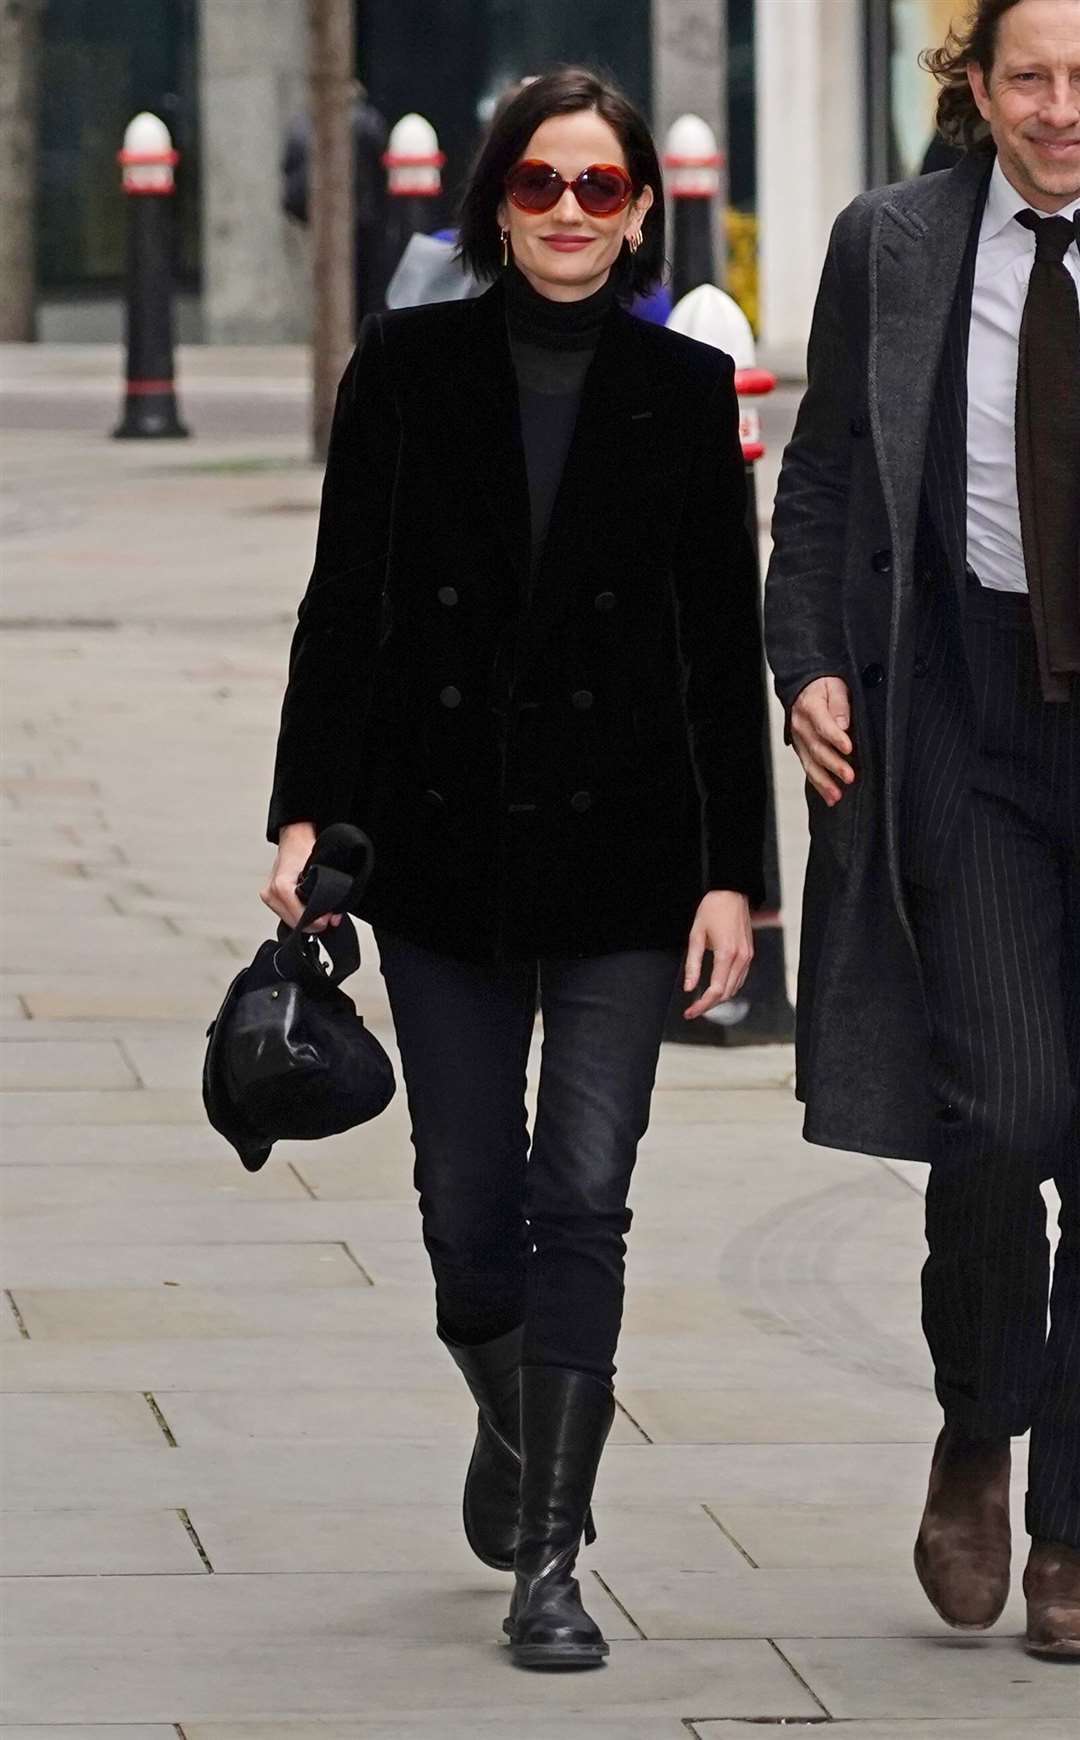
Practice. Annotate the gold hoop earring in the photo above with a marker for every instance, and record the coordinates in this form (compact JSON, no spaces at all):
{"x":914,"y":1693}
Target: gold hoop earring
{"x":504,"y":236}
{"x":633,"y":242}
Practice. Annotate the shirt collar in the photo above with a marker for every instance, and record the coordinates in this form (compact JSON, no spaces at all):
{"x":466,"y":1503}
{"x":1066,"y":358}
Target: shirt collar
{"x":1002,"y":204}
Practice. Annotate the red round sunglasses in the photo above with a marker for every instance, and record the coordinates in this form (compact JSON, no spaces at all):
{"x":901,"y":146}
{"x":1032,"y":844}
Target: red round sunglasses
{"x":602,"y":190}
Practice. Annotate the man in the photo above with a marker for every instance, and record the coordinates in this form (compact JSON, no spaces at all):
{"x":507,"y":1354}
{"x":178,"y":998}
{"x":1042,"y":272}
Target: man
{"x":923,"y":623}
{"x":369,"y":192}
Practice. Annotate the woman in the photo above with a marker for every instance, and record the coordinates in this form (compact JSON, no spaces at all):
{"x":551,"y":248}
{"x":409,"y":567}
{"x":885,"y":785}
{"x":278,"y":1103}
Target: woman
{"x":528,"y":663}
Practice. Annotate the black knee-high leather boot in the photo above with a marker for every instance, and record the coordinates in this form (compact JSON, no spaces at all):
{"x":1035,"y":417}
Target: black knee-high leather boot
{"x":565,"y":1420}
{"x":490,"y":1507}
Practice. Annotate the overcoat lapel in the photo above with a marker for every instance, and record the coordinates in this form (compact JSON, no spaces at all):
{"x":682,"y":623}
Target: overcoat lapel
{"x":917,"y":254}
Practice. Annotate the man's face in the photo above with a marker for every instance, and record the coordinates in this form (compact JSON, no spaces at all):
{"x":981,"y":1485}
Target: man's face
{"x":1032,"y":100}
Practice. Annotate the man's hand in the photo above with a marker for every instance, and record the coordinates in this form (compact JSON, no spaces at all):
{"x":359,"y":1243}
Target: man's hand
{"x":722,"y":924}
{"x":820,"y":718}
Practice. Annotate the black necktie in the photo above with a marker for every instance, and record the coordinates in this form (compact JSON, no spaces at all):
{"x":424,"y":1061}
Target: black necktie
{"x":1048,"y":450}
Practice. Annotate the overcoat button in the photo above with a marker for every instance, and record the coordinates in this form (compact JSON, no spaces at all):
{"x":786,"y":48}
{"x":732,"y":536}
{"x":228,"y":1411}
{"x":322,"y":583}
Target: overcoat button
{"x":859,"y":427}
{"x":581,"y":801}
{"x":448,"y":596}
{"x":450,"y":697}
{"x":582,"y":699}
{"x":604,"y":601}
{"x":921,"y":667}
{"x":872,"y":676}
{"x":881,"y":561}
{"x":434,"y":800}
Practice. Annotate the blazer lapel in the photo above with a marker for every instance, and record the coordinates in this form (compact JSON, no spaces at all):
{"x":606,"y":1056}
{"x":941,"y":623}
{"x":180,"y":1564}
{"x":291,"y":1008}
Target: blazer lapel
{"x":917,"y":255}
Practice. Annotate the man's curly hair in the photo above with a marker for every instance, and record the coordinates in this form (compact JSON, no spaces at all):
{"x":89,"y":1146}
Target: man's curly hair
{"x":958,"y":120}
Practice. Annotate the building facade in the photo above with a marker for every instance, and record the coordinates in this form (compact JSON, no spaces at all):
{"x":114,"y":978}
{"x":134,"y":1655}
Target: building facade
{"x":819,"y":98}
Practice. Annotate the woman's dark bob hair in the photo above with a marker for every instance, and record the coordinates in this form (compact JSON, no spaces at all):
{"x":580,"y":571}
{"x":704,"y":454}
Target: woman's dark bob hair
{"x":565,"y":91}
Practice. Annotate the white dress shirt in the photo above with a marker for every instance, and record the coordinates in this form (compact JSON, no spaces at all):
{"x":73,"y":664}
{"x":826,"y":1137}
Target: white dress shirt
{"x":1002,"y":270}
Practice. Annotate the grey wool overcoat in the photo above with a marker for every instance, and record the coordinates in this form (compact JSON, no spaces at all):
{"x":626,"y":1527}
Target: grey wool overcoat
{"x":840,"y":601}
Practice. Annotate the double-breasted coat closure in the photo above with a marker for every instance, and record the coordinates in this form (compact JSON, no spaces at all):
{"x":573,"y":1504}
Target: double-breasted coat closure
{"x":842,"y":598}
{"x":559,"y":762}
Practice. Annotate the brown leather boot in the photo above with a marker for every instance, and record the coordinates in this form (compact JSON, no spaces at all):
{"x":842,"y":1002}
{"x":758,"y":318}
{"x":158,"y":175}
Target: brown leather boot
{"x":962,"y":1553}
{"x":1052,"y":1587}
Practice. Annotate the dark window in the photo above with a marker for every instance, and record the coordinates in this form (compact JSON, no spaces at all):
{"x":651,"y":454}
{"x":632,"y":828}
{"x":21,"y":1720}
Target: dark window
{"x":450,"y":59}
{"x":101,"y":64}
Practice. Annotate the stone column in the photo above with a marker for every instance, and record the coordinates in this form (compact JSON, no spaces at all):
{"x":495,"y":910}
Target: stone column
{"x":20,"y":61}
{"x":253,"y":77}
{"x":689,"y":76}
{"x":810,"y":145}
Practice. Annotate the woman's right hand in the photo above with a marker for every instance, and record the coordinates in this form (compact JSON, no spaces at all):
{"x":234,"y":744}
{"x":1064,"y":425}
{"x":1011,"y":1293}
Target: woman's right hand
{"x":294,"y":849}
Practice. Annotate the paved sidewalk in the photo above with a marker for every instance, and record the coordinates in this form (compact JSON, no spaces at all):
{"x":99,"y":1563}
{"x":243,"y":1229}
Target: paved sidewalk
{"x":232,"y":1450}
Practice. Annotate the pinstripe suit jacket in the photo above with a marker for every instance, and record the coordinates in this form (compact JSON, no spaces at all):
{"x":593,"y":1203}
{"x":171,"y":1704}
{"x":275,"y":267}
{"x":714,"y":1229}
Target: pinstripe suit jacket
{"x":871,"y":501}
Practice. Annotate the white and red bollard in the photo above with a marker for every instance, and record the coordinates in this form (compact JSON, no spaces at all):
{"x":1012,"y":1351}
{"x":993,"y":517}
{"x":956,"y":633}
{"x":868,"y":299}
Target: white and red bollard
{"x":761,"y":1013}
{"x":148,"y":161}
{"x":414,"y":166}
{"x":692,"y":164}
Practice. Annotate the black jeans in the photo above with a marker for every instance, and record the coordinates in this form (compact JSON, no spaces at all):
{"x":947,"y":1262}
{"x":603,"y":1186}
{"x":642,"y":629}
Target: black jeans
{"x":999,"y":937}
{"x":516,"y":1235}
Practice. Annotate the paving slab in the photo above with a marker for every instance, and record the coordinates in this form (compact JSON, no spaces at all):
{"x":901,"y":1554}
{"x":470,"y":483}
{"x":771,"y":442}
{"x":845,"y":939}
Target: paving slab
{"x":944,"y":1677}
{"x":318,"y":1264}
{"x":318,"y":1537}
{"x":94,"y":1731}
{"x":88,"y":1423}
{"x":34,"y":1031}
{"x":176,"y":1060}
{"x":809,"y":1604}
{"x":95,"y":947}
{"x":568,"y":1726}
{"x":382,"y":1170}
{"x":32,"y":1189}
{"x":65,"y":1542}
{"x":232,"y":1220}
{"x":222,"y":1363}
{"x":426,"y":1607}
{"x":172,"y":1145}
{"x":289,"y":1471}
{"x":802,"y":1536}
{"x":956,"y":1728}
{"x":827,"y":1412}
{"x":192,"y":1679}
{"x":79,"y":1107}
{"x":270,"y":1539}
{"x":141,"y":1313}
{"x":224,"y":1423}
{"x":67,"y":1000}
{"x":60,"y":1064}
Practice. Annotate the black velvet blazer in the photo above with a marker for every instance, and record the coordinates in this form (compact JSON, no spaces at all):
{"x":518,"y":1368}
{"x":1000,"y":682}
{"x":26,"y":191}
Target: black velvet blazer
{"x":563,"y":781}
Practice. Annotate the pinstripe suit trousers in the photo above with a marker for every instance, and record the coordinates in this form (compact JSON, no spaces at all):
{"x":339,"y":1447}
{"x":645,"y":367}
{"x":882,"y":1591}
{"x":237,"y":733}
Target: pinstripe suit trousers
{"x":993,"y":882}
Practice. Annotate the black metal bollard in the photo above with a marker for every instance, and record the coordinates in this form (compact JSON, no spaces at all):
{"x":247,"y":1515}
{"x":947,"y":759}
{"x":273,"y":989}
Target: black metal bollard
{"x":692,"y":162}
{"x":761,"y":1013}
{"x":148,"y":159}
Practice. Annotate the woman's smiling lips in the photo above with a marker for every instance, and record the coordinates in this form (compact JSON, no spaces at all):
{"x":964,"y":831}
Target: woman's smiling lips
{"x":568,"y":244}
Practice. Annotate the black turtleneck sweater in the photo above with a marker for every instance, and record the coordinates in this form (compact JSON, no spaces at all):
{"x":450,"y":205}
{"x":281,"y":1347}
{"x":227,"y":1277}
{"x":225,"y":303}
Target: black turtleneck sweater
{"x":552,"y":344}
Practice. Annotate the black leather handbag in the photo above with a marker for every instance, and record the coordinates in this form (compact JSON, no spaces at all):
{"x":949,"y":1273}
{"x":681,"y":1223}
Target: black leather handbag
{"x":288,"y":1056}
